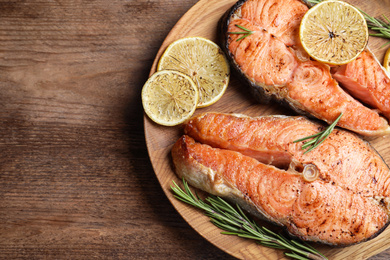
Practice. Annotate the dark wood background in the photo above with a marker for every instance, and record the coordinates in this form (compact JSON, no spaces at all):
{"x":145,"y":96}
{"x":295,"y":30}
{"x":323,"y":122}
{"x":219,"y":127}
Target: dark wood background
{"x":75,"y":177}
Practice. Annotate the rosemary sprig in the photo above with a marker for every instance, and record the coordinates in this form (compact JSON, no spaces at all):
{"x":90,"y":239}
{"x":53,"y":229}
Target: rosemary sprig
{"x":235,"y":222}
{"x":318,"y":138}
{"x":314,"y":2}
{"x":245,"y":33}
{"x":378,"y":25}
{"x":381,"y":26}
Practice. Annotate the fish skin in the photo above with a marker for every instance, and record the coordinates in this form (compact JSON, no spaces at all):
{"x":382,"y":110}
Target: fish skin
{"x":312,"y":211}
{"x":278,"y":70}
{"x":343,"y":158}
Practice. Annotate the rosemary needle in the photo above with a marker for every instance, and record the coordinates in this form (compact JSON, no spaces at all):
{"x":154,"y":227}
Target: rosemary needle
{"x":234,"y":222}
{"x":319,"y":138}
{"x":245,"y":33}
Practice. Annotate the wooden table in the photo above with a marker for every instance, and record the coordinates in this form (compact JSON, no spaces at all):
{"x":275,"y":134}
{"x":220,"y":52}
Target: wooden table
{"x":76,"y":181}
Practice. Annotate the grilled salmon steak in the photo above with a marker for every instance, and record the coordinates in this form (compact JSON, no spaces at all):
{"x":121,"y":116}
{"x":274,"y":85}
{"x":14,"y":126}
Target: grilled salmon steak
{"x":256,"y":163}
{"x":272,"y":60}
{"x":367,"y":80}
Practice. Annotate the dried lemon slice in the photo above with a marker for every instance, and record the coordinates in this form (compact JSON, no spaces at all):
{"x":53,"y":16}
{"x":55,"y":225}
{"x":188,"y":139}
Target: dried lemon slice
{"x":333,"y":32}
{"x":169,"y":97}
{"x":203,"y":61}
{"x":386,"y":61}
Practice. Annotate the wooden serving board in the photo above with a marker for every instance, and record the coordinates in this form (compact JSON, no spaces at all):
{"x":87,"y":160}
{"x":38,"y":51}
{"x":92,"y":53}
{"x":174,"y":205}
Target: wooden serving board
{"x":201,"y":20}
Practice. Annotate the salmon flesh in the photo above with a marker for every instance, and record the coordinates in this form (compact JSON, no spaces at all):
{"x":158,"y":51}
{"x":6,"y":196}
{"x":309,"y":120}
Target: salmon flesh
{"x":367,"y":80}
{"x":256,"y":163}
{"x":274,"y":63}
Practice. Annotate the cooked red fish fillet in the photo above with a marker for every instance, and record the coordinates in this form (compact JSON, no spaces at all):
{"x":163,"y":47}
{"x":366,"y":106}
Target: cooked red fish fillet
{"x":313,"y":211}
{"x":275,"y":65}
{"x":279,"y":18}
{"x":367,"y":80}
{"x":343,"y":158}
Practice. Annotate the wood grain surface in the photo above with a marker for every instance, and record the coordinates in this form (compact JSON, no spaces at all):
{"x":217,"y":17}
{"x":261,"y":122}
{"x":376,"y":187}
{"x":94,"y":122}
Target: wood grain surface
{"x":202,"y":20}
{"x":76,"y":181}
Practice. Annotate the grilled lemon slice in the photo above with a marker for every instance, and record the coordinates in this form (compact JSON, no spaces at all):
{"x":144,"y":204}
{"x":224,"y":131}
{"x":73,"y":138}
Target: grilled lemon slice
{"x":386,"y":61}
{"x":203,"y":61}
{"x":333,"y":32}
{"x":169,"y":97}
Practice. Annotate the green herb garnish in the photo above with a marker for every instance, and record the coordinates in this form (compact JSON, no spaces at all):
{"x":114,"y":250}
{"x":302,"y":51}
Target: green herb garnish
{"x":319,"y":137}
{"x":246,"y":32}
{"x":314,"y":2}
{"x":235,"y":222}
{"x":380,"y":26}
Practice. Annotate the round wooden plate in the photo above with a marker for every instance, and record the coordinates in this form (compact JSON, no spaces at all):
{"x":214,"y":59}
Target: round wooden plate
{"x":201,"y":20}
